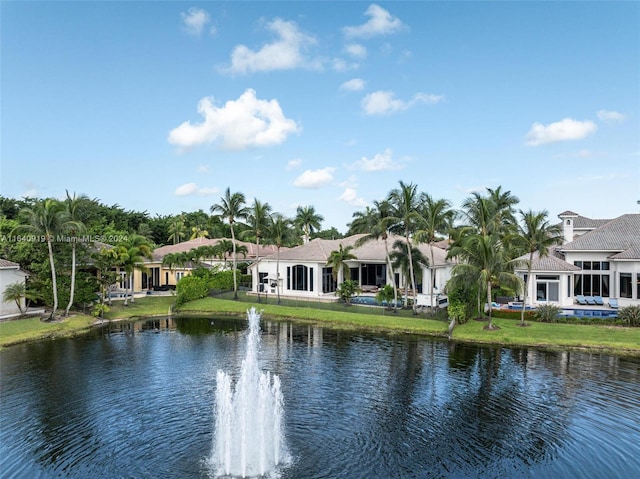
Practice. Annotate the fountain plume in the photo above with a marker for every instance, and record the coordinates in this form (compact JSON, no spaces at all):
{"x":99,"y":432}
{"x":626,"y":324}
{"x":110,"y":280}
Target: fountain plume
{"x":249,"y":439}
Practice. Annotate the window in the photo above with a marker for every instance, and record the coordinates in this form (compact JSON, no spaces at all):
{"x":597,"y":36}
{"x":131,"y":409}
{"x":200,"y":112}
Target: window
{"x":625,"y":285}
{"x":179,"y":275}
{"x":298,"y":278}
{"x":547,"y":288}
{"x":328,"y":283}
{"x":589,"y":284}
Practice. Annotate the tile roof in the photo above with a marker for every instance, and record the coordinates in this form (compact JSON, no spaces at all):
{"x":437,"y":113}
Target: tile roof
{"x":5,"y":263}
{"x":318,"y":250}
{"x":162,"y":251}
{"x":550,"y":263}
{"x":620,"y":235}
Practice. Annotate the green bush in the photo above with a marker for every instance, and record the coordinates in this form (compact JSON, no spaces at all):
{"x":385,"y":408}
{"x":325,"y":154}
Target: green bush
{"x":546,"y":313}
{"x":458,"y":311}
{"x":630,"y":315}
{"x":190,"y":288}
{"x":512,"y":314}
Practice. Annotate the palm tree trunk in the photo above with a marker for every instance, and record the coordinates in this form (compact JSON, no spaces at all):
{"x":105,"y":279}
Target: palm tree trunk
{"x":235,"y":279}
{"x":131,"y":281}
{"x":53,"y":278}
{"x":490,"y":326}
{"x":73,"y":277}
{"x":393,"y":279}
{"x":258,"y":265}
{"x":413,"y":280}
{"x":526,"y":289}
{"x":278,"y":273}
{"x":432,"y":275}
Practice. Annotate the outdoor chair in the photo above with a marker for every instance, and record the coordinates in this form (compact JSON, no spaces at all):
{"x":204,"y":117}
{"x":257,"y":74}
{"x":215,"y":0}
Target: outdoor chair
{"x":598,"y":300}
{"x":590,"y":300}
{"x":613,"y":303}
{"x":580,"y":299}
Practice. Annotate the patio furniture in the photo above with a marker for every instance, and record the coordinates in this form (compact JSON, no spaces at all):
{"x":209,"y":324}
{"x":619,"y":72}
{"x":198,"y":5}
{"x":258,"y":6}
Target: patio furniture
{"x":590,"y":300}
{"x":613,"y":303}
{"x":598,"y":300}
{"x":580,"y":299}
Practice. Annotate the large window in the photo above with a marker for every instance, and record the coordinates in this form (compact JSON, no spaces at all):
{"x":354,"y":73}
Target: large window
{"x":547,"y":288}
{"x":590,"y":283}
{"x":328,"y":283}
{"x":625,"y":285}
{"x":300,"y":278}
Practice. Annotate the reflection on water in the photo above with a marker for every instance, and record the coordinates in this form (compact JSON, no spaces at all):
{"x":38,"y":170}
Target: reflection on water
{"x":135,"y":400}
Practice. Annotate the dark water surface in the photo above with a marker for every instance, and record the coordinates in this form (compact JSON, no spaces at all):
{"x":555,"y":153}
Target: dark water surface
{"x":136,"y":401}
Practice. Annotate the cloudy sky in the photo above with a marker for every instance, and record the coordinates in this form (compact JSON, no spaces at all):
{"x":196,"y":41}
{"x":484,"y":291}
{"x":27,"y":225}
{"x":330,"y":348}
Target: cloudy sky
{"x":160,"y":106}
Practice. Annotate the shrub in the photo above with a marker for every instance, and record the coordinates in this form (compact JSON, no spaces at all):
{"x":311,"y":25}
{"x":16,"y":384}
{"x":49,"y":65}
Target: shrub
{"x":385,"y":294}
{"x":547,"y":313}
{"x":630,"y":315}
{"x":458,"y":311}
{"x":512,"y":314}
{"x":347,"y":290}
{"x":190,"y":288}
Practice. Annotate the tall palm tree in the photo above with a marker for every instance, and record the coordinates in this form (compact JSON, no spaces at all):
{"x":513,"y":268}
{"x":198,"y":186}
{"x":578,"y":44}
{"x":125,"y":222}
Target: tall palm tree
{"x":177,"y":229}
{"x":375,"y":222}
{"x":134,"y":252}
{"x":257,"y":219}
{"x":45,"y":220}
{"x":74,"y":227}
{"x":485,"y":260}
{"x":535,"y":235}
{"x":308,"y":220}
{"x":404,"y":202}
{"x":232,"y":208}
{"x":402,"y":260}
{"x":278,"y":233}
{"x":338,"y":261}
{"x":436,"y":216}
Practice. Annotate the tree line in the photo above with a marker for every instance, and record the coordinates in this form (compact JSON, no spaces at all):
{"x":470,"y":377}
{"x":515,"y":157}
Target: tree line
{"x":486,"y":237}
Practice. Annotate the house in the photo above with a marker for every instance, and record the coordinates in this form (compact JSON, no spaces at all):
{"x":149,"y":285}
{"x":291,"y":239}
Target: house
{"x":302,"y":271}
{"x":156,"y":274}
{"x":10,"y":273}
{"x":598,"y":258}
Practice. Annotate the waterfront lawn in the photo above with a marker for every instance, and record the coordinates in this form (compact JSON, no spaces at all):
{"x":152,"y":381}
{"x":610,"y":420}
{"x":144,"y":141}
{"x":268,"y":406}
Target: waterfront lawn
{"x":141,"y":308}
{"x":32,"y":328}
{"x":551,"y":335}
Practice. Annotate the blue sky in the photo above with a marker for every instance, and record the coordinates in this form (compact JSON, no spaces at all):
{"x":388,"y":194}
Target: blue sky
{"x":160,"y":106}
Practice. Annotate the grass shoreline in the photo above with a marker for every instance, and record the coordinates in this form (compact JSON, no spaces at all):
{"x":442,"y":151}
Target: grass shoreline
{"x":608,"y":339}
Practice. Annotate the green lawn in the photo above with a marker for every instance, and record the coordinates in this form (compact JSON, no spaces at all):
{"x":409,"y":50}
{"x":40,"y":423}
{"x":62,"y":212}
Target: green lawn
{"x":602,"y":338}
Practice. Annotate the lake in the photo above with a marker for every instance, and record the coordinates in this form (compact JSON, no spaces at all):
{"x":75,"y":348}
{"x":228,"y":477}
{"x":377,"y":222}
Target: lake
{"x":136,"y":400}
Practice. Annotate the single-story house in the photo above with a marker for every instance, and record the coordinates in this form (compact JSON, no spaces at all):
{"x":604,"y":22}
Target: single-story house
{"x":10,"y":273}
{"x":302,"y":271}
{"x":598,"y":258}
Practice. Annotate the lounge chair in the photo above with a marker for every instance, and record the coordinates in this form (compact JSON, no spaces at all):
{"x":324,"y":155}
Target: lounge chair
{"x":590,"y":300}
{"x":613,"y":303}
{"x":581,"y":299}
{"x":598,"y":300}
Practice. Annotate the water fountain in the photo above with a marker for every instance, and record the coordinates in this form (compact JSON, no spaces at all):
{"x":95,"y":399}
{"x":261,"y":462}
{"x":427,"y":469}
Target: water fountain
{"x":249,"y":438}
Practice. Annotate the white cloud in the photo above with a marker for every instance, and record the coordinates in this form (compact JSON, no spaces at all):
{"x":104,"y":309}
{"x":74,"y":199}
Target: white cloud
{"x":203,"y":169}
{"x":189,"y":189}
{"x":610,"y":116}
{"x":314,"y":178}
{"x":355,"y":84}
{"x":239,"y":124}
{"x":380,"y":22}
{"x":356,"y":50}
{"x":566,"y":129}
{"x":350,"y":196}
{"x":385,"y":102}
{"x":293,"y":164}
{"x":380,"y":162}
{"x":194,"y":20}
{"x":286,"y":53}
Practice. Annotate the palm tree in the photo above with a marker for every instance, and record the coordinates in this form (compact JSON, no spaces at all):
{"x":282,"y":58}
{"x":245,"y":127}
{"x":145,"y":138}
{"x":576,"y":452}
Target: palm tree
{"x":338,"y":261}
{"x":485,"y":260}
{"x":15,"y":292}
{"x":375,"y":222}
{"x":278,"y":233}
{"x":198,"y":232}
{"x":308,"y":220}
{"x":177,"y":230}
{"x":535,"y":235}
{"x":436,"y":215}
{"x":231,"y":208}
{"x":257,"y":219}
{"x":74,"y":227}
{"x":404,"y":202}
{"x":402,"y":260}
{"x":45,"y":220}
{"x":134,"y":252}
